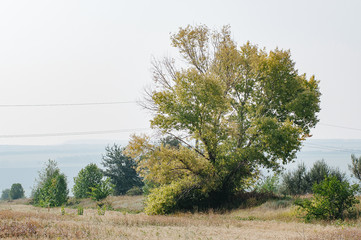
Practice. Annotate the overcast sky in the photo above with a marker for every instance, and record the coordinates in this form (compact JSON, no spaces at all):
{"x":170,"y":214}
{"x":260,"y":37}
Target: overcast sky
{"x":65,"y":52}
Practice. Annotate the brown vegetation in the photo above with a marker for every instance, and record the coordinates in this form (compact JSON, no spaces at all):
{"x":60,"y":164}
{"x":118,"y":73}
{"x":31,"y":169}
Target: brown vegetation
{"x":272,"y":220}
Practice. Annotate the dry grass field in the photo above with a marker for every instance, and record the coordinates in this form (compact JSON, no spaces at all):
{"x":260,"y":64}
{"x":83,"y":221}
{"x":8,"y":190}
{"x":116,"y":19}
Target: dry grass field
{"x":269,"y":221}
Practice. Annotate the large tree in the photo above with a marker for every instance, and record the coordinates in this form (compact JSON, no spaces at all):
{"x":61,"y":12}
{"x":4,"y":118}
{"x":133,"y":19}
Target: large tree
{"x":16,"y":191}
{"x":120,"y":169}
{"x":240,"y":108}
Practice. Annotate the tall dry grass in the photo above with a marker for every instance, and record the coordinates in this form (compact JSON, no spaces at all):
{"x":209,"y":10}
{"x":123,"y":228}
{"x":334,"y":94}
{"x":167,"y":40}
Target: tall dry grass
{"x":268,"y":221}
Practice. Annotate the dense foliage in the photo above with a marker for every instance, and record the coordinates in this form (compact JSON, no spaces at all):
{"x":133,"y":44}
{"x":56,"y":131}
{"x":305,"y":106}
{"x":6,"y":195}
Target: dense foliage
{"x":88,"y":177}
{"x":101,"y":190}
{"x":16,"y":191}
{"x":51,"y":189}
{"x":235,"y":109}
{"x":301,"y":181}
{"x":120,"y":169}
{"x":332,"y":198}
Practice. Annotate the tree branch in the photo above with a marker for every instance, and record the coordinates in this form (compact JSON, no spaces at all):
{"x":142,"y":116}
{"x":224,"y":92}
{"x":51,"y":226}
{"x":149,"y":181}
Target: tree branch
{"x":190,"y":146}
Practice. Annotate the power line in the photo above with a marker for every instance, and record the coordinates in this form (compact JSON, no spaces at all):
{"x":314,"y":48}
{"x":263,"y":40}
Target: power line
{"x":337,"y":126}
{"x":339,"y":149}
{"x":121,"y":102}
{"x":73,"y":133}
{"x":65,"y":104}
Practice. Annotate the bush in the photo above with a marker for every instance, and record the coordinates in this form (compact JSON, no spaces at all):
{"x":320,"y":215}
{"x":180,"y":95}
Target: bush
{"x":300,"y":181}
{"x":16,"y":191}
{"x":320,"y":169}
{"x":270,"y":184}
{"x":162,"y":200}
{"x":332,"y":199}
{"x":88,"y":177}
{"x":134,"y":191}
{"x":102,"y":190}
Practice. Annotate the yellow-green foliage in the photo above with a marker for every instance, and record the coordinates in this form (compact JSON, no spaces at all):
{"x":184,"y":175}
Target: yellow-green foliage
{"x":166,"y":164}
{"x":241,"y":108}
{"x":162,"y":200}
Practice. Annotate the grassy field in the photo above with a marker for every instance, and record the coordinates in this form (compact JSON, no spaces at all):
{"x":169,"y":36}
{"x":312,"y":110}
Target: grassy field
{"x":272,"y":220}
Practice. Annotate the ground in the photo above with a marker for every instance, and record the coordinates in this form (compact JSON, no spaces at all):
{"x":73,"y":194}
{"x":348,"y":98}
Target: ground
{"x":272,"y":220}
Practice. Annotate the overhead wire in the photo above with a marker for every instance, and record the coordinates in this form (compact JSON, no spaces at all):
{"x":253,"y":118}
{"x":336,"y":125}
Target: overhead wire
{"x":338,"y":126}
{"x":123,"y":102}
{"x":66,"y":104}
{"x":332,"y":148}
{"x":59,"y":134}
{"x":137,"y":129}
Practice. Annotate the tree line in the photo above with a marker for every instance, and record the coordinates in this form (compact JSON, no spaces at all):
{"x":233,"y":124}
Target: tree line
{"x":51,"y":188}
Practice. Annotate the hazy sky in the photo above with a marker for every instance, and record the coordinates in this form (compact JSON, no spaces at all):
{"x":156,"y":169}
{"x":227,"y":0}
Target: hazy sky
{"x":54,"y":52}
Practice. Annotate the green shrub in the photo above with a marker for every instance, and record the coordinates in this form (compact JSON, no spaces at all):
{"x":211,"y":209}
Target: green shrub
{"x":332,"y":199}
{"x":320,"y":169}
{"x":162,"y":200}
{"x":80,"y":210}
{"x":62,"y":210}
{"x":102,"y":190}
{"x":300,"y":181}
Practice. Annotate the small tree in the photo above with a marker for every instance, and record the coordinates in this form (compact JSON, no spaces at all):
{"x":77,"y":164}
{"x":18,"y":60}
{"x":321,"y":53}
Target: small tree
{"x":120,"y":169}
{"x":296,"y":182}
{"x":88,"y":177}
{"x":331,"y":199}
{"x":355,"y":168}
{"x":16,"y":191}
{"x":102,"y":190}
{"x":5,"y":194}
{"x":51,"y":189}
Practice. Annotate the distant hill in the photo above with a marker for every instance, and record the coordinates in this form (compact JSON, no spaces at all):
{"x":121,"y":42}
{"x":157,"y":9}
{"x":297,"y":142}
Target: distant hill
{"x":20,"y":164}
